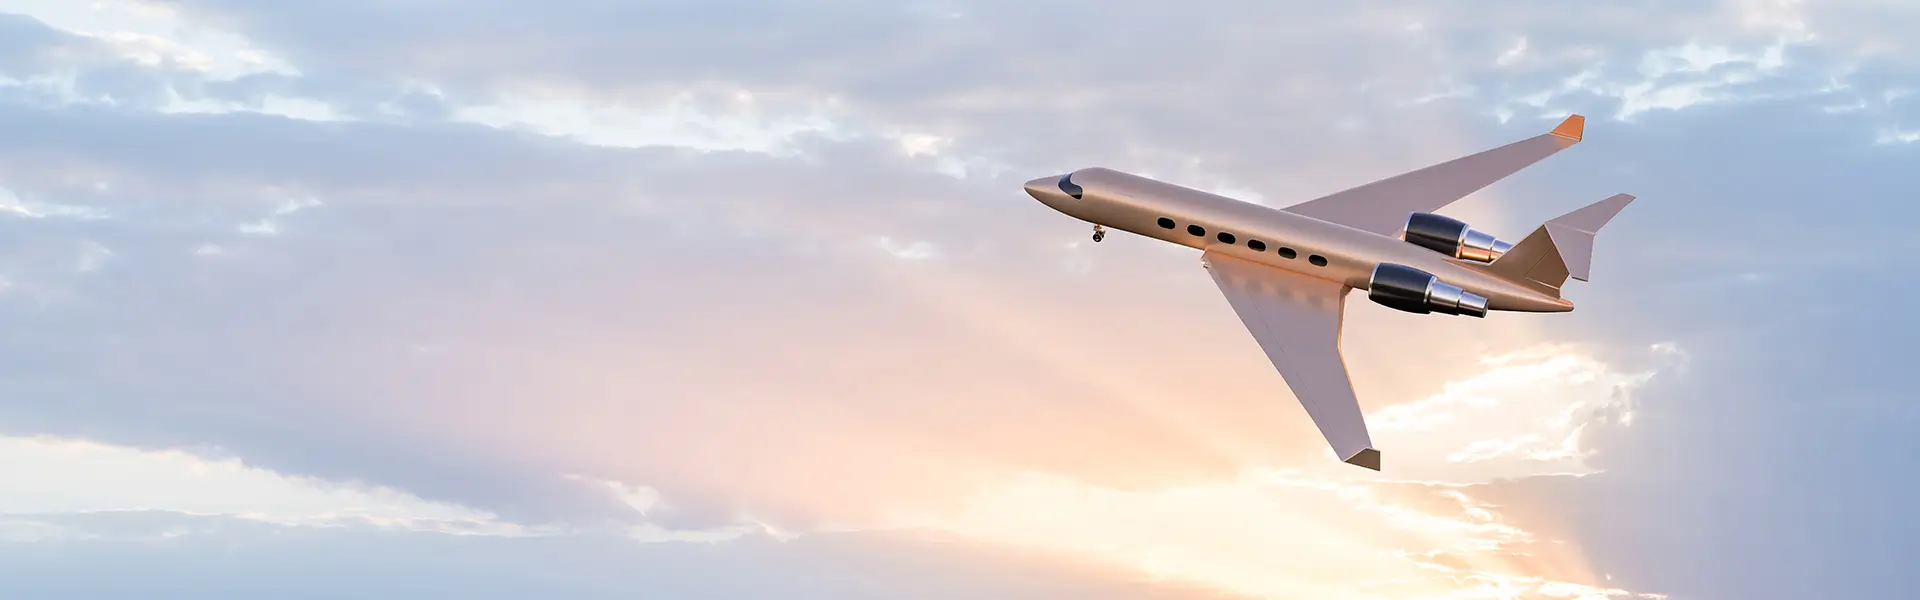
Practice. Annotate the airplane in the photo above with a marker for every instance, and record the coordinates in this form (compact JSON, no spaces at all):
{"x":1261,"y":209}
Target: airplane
{"x":1287,"y":272}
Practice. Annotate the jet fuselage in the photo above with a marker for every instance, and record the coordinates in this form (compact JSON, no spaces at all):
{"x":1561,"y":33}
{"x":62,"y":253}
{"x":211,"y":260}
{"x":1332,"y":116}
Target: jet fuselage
{"x":1284,"y":240}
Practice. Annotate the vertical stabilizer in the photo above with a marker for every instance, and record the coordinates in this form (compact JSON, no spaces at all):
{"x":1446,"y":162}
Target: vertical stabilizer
{"x":1561,"y":248}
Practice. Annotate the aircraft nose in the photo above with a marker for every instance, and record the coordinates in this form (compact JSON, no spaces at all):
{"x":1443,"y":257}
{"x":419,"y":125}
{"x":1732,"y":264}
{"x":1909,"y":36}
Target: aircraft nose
{"x":1043,"y":187}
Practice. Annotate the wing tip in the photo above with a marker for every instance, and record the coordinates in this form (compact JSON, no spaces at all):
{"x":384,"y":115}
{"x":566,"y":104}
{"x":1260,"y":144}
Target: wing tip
{"x":1572,"y":128}
{"x":1369,"y":458}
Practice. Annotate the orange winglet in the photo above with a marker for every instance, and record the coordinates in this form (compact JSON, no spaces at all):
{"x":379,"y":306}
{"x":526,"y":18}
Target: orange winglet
{"x":1571,"y":128}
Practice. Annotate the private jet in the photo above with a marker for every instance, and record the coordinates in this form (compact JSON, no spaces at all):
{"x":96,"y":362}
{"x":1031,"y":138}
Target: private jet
{"x":1287,"y":272}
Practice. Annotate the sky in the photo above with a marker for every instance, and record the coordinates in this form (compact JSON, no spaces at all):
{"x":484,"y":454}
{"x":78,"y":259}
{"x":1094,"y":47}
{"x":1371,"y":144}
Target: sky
{"x":742,"y":299}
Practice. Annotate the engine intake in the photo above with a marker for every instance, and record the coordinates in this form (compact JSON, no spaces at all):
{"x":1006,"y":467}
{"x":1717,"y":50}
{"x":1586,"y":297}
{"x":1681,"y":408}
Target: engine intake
{"x":1405,"y":288}
{"x":1453,"y":237}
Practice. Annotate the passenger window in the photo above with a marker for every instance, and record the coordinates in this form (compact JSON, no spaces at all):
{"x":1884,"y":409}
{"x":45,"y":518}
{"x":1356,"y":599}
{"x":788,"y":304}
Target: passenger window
{"x":1225,"y":238}
{"x":1317,"y":260}
{"x":1197,"y":230}
{"x":1287,"y":253}
{"x":1166,"y":223}
{"x":1257,"y":245}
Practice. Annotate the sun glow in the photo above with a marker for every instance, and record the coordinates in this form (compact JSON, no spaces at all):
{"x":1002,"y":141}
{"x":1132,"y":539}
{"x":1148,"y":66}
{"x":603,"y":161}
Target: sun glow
{"x":1334,"y":532}
{"x":1287,"y":534}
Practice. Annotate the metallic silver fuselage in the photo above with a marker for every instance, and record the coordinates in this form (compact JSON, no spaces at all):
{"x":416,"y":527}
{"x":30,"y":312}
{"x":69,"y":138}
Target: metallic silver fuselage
{"x":1135,"y":204}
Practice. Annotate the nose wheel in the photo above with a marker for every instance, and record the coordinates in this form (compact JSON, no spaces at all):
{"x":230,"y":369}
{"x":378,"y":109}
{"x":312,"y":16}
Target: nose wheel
{"x":1099,"y":234}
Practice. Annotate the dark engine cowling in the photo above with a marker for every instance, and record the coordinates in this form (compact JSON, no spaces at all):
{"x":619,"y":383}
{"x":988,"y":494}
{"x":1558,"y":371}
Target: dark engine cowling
{"x":1405,"y":288}
{"x":1452,"y":237}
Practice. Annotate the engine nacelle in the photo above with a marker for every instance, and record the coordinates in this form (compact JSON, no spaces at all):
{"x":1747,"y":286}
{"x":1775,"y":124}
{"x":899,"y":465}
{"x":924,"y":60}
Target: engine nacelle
{"x":1452,"y":237}
{"x":1405,"y":288}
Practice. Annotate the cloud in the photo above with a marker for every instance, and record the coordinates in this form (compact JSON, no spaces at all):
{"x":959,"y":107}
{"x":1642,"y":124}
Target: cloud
{"x":1531,"y":412}
{"x":153,"y":35}
{"x":775,"y":273}
{"x":1325,"y":530}
{"x":167,"y":555}
{"x":1285,"y":534}
{"x":1393,"y":538}
{"x":706,"y":396}
{"x":66,"y":476}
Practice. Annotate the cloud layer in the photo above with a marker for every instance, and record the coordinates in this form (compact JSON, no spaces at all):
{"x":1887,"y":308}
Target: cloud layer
{"x":686,"y":271}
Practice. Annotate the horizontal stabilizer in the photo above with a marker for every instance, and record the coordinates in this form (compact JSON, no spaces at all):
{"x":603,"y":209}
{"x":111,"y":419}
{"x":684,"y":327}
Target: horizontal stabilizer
{"x":1561,"y":248}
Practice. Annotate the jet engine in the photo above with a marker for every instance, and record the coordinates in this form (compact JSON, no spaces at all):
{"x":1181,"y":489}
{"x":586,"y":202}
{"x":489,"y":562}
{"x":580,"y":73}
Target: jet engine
{"x":1452,"y":237}
{"x":1405,"y":288}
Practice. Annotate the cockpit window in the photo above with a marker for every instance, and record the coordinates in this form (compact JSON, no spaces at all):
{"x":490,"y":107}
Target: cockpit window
{"x":1072,"y":189}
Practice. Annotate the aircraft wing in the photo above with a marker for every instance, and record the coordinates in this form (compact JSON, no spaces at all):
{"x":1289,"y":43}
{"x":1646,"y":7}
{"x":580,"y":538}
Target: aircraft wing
{"x":1382,"y":206}
{"x":1296,"y":319}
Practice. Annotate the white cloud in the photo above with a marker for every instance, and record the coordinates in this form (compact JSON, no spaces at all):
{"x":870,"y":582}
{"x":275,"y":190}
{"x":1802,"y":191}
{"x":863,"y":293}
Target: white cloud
{"x":1694,"y":57}
{"x":919,"y":144}
{"x":49,"y":479}
{"x":1676,"y":78}
{"x":290,"y":203}
{"x":53,"y":476}
{"x":17,"y":530}
{"x":292,"y":107}
{"x":1448,"y":91}
{"x":93,"y":255}
{"x":1332,"y":531}
{"x":61,"y":87}
{"x":1895,"y":135}
{"x":739,"y":120}
{"x":1513,"y":54}
{"x":1527,"y":414}
{"x":154,"y":34}
{"x":916,"y":250}
{"x":1281,"y":534}
{"x":12,"y":204}
{"x":1726,"y":52}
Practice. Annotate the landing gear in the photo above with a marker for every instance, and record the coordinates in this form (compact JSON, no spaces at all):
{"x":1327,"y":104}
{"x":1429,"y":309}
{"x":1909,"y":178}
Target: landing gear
{"x":1099,"y":234}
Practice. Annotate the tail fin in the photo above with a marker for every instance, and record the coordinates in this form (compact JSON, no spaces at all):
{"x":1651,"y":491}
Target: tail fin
{"x":1560,"y":248}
